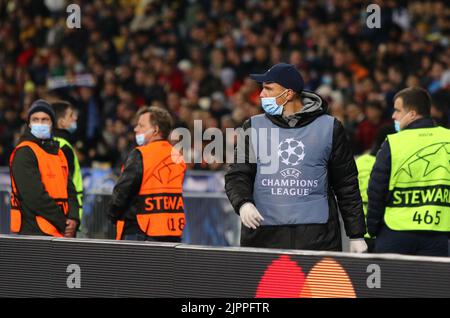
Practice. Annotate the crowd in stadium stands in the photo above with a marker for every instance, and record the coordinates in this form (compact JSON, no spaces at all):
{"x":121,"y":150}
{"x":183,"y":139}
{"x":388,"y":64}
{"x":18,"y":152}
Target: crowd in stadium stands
{"x":194,"y":57}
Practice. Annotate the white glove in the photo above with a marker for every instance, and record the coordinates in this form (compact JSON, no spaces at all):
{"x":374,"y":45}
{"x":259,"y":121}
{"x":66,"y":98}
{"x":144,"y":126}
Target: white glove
{"x":250,"y":216}
{"x":358,"y":246}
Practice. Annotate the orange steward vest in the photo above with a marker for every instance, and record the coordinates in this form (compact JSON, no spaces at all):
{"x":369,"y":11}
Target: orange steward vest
{"x":54,"y":175}
{"x":160,"y":208}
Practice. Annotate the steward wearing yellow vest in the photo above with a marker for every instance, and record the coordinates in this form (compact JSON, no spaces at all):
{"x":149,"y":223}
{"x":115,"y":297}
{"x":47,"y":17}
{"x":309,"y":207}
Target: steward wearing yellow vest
{"x":66,"y":125}
{"x":43,"y":198}
{"x":147,"y":202}
{"x":409,"y":188}
{"x":364,"y":164}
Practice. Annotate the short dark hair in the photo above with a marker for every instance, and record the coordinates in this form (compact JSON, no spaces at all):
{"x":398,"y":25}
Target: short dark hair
{"x":60,"y":108}
{"x":415,"y":98}
{"x":158,"y":117}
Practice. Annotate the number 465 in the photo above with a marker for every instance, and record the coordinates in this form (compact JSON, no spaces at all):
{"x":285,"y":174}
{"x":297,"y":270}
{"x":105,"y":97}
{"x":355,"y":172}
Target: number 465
{"x":427,"y":218}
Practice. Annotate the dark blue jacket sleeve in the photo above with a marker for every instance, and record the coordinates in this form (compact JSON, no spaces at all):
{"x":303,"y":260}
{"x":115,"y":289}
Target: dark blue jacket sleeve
{"x":378,"y":190}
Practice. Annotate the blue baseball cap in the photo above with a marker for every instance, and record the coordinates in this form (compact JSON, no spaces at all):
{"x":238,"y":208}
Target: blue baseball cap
{"x":284,"y":74}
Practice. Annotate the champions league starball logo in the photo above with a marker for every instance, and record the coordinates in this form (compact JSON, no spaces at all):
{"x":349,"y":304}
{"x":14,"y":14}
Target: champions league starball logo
{"x":291,"y":151}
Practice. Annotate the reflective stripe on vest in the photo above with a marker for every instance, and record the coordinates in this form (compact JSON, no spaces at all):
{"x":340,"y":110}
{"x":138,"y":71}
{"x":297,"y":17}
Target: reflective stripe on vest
{"x":160,"y":203}
{"x":76,"y":177}
{"x":364,"y":165}
{"x":54,"y":173}
{"x":119,"y":229}
{"x":419,"y":185}
{"x":296,"y":192}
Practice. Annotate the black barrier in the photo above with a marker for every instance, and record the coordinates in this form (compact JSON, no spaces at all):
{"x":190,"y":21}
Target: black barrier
{"x":47,"y":267}
{"x":4,"y":212}
{"x":250,"y":273}
{"x":41,"y":267}
{"x":25,"y":269}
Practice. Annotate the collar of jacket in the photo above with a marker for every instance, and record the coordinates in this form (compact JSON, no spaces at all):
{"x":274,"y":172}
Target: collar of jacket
{"x":425,"y":122}
{"x":313,"y":107}
{"x":63,"y":133}
{"x":49,"y":145}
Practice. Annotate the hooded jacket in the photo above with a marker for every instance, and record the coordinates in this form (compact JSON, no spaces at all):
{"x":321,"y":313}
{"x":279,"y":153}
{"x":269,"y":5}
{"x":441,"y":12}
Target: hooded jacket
{"x":34,"y":199}
{"x":343,"y":189}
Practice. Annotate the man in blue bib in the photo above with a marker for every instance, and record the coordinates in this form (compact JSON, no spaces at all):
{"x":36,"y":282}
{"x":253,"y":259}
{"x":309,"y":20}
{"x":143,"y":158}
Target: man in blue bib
{"x":293,"y":170}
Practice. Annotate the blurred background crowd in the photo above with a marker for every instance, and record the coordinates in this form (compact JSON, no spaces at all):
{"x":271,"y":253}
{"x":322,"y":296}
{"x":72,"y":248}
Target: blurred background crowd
{"x":194,"y":58}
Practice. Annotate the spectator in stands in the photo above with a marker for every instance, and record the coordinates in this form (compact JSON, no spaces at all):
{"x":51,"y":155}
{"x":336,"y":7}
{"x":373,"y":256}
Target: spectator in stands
{"x":368,"y":128}
{"x":143,"y":52}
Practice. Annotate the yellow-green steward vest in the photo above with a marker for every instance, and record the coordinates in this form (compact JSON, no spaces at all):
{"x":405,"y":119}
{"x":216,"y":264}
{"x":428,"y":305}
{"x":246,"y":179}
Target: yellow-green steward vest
{"x":419,"y":185}
{"x":76,"y":178}
{"x":364,"y":164}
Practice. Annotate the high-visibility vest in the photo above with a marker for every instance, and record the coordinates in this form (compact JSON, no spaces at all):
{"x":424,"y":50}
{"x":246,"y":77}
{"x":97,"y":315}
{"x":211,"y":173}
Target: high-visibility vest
{"x":76,"y":177}
{"x":419,"y":185}
{"x":54,"y":175}
{"x":160,"y":207}
{"x":364,"y":165}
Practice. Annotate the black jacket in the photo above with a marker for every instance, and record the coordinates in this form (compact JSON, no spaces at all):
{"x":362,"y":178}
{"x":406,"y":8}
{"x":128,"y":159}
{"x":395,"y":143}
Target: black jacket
{"x":378,"y":190}
{"x":343,"y":185}
{"x":33,"y":197}
{"x":123,"y":200}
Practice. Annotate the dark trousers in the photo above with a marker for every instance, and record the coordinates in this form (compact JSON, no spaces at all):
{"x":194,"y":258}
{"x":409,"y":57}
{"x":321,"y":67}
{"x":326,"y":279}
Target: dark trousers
{"x":370,"y":244}
{"x":411,"y":243}
{"x":144,"y":238}
{"x":137,"y":237}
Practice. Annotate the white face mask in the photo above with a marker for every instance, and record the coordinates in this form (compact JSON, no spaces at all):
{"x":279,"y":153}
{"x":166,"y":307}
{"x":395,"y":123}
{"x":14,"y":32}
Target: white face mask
{"x":270,"y":106}
{"x":41,"y":131}
{"x":140,"y":138}
{"x":73,"y":127}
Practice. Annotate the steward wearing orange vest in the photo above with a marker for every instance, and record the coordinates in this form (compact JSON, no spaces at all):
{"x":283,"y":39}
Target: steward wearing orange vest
{"x":147,"y":202}
{"x":43,"y":197}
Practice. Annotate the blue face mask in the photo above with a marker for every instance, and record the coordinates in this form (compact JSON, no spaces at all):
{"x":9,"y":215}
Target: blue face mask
{"x":41,"y":131}
{"x":72,"y":128}
{"x":397,"y":123}
{"x":140,"y":138}
{"x":270,"y":106}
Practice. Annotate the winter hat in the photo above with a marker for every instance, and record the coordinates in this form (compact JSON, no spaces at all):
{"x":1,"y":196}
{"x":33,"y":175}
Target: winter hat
{"x":41,"y":105}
